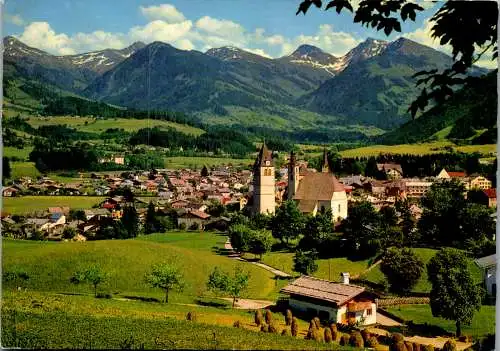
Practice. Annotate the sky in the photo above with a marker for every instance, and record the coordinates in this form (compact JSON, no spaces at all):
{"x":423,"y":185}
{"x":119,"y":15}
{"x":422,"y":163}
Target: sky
{"x":268,"y":28}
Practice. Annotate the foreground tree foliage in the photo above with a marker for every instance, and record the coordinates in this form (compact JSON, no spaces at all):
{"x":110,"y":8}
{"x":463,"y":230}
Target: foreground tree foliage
{"x":305,"y":262}
{"x":402,"y":268}
{"x":469,"y":27}
{"x":165,"y":276}
{"x":454,"y":294}
{"x":93,"y":275}
{"x":233,"y":285}
{"x":288,"y":222}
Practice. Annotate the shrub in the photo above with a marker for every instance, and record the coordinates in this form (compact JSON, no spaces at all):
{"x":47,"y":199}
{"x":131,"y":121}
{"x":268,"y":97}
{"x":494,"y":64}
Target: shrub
{"x":191,"y":316}
{"x":372,"y":341}
{"x":288,"y":317}
{"x":182,"y":226}
{"x":316,"y":335}
{"x":295,"y":327}
{"x":317,"y":322}
{"x":264,"y":328}
{"x":258,"y":317}
{"x":427,"y":348}
{"x":356,"y":339}
{"x":237,"y":324}
{"x":416,"y":347}
{"x":344,"y":340}
{"x":104,"y":296}
{"x":450,"y":345}
{"x":335,"y":332}
{"x":328,"y":335}
{"x":409,"y":346}
{"x":285,"y":332}
{"x":365,"y":334}
{"x":269,"y":317}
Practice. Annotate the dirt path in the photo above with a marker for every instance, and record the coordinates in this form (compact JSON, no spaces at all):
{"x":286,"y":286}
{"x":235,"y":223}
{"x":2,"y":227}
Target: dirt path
{"x":249,"y":304}
{"x":386,"y":321}
{"x":234,"y":255}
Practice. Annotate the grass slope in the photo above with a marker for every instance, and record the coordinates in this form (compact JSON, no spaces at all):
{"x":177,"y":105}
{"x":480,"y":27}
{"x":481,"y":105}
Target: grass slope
{"x":482,"y":324}
{"x":27,"y":204}
{"x":127,"y":261}
{"x":24,"y":169}
{"x":199,"y":162}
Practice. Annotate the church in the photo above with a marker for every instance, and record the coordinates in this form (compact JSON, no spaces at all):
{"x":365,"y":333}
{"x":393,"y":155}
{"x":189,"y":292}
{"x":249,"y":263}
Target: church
{"x":311,"y":190}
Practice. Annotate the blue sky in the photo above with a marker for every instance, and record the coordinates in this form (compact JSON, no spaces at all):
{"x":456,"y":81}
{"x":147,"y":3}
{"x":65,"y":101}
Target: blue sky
{"x":269,"y":28}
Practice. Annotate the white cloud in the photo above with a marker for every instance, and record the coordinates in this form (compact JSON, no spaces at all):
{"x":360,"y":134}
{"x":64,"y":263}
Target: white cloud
{"x":223,"y":28}
{"x":160,"y":31}
{"x":164,"y":11}
{"x":98,"y":40}
{"x":258,"y":52}
{"x":14,"y":19}
{"x":42,"y":36}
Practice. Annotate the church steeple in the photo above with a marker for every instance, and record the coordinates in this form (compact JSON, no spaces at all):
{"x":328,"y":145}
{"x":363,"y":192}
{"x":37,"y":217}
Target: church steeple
{"x":325,"y":168}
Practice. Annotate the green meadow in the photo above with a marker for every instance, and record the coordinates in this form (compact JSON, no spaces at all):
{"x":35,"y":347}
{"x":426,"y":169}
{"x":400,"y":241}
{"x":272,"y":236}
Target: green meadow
{"x":27,"y":204}
{"x":199,"y":162}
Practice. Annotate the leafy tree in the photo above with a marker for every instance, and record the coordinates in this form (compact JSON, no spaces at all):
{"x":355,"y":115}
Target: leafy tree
{"x":204,"y":171}
{"x":442,"y":208}
{"x":454,"y":294}
{"x":371,"y":169}
{"x":6,"y":170}
{"x":476,"y":222}
{"x":130,"y":221}
{"x":361,"y":229}
{"x":469,"y":27}
{"x":407,"y":223}
{"x":151,"y":223}
{"x":93,"y":275}
{"x":216,"y":209}
{"x":77,"y":215}
{"x":69,"y":233}
{"x":232,"y":285}
{"x":402,"y":269}
{"x":240,"y":236}
{"x":165,"y":276}
{"x":261,"y":242}
{"x":317,"y":230}
{"x":304,"y":262}
{"x":288,"y":222}
{"x":260,"y":221}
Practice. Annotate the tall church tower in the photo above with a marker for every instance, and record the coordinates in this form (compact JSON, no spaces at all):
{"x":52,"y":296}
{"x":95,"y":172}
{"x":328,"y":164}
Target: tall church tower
{"x":293,"y":176}
{"x":325,"y":168}
{"x":264,"y":192}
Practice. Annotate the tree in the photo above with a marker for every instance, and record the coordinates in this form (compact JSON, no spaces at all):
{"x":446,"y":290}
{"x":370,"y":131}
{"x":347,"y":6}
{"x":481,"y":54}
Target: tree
{"x":454,"y":294}
{"x":69,"y":233}
{"x":204,"y":171}
{"x":151,"y":224}
{"x":93,"y":275}
{"x":6,"y":169}
{"x":371,"y":169}
{"x":407,"y":223}
{"x":130,"y":221}
{"x":361,"y":229}
{"x":318,"y":229}
{"x":165,"y":276}
{"x":476,"y":223}
{"x":77,"y":215}
{"x":261,"y":242}
{"x":232,"y":285}
{"x":288,"y":222}
{"x":216,"y":209}
{"x":304,"y":262}
{"x":442,"y":208}
{"x":402,"y":268}
{"x":240,"y":235}
{"x":470,"y":28}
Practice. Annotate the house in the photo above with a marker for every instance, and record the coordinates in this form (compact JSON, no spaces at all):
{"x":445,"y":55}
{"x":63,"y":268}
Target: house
{"x":193,"y":217}
{"x":416,"y":188}
{"x":450,"y":175}
{"x":330,"y":301}
{"x":392,"y":170}
{"x":478,"y":182}
{"x":486,"y":197}
{"x":9,"y":192}
{"x":62,"y":210}
{"x":317,"y":191}
{"x":489,"y":266}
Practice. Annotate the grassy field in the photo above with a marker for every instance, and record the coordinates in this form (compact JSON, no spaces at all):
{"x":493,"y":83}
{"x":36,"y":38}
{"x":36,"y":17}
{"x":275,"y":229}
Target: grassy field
{"x":27,"y":204}
{"x":97,"y":126}
{"x":327,"y":268}
{"x":24,"y":169}
{"x":199,"y":162}
{"x":423,"y":285}
{"x":127,"y":261}
{"x":417,"y":149}
{"x":9,"y":151}
{"x":482,"y":324}
{"x":32,"y":320}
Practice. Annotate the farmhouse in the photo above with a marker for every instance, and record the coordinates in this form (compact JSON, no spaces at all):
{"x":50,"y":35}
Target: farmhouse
{"x":337,"y":302}
{"x":392,"y":170}
{"x":193,"y":218}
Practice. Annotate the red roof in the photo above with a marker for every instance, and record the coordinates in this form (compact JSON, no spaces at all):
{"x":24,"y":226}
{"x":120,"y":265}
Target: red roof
{"x":456,"y":174}
{"x":491,"y":193}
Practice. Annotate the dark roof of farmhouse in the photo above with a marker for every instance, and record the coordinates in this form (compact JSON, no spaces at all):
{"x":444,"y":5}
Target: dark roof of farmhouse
{"x":318,"y":186}
{"x":321,"y":289}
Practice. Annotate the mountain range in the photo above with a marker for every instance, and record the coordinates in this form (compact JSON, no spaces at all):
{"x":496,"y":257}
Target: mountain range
{"x":308,"y":90}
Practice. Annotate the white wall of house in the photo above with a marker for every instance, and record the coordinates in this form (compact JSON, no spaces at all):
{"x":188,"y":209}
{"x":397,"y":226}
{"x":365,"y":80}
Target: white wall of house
{"x":339,"y":205}
{"x":305,"y":306}
{"x":490,"y":279}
